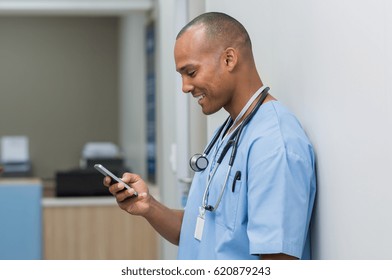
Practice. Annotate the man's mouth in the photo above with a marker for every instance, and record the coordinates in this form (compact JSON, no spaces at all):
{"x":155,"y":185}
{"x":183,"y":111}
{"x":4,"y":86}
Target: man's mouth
{"x":200,"y":97}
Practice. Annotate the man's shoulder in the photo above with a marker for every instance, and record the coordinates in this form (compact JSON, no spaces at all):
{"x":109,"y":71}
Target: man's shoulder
{"x":277,"y":129}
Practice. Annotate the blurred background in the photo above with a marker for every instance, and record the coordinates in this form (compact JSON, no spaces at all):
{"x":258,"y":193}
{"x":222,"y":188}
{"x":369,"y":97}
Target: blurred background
{"x":94,"y":81}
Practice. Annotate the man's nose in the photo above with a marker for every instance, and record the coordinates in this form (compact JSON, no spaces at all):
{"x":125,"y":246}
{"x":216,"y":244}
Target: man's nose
{"x":186,"y":86}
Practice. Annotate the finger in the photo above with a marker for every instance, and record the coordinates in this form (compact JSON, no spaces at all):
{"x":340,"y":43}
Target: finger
{"x":130,"y":178}
{"x":143,"y":194}
{"x":115,"y":188}
{"x":120,"y":187}
{"x":107,"y":181}
{"x":125,"y":194}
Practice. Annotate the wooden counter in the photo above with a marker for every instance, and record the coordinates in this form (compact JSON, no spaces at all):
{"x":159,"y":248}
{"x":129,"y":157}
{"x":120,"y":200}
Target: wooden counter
{"x":93,"y":228}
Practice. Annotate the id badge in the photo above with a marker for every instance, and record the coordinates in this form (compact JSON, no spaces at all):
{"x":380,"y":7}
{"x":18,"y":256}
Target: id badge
{"x":200,"y":224}
{"x":199,"y":228}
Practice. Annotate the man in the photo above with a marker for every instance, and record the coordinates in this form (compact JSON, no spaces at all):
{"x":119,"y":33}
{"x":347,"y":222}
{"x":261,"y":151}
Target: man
{"x":261,"y":206}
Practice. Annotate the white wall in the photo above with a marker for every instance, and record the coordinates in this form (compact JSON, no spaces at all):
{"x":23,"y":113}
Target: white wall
{"x":330,"y":62}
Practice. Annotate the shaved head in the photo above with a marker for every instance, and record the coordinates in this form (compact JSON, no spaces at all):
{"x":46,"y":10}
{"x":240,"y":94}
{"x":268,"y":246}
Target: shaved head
{"x":222,"y":28}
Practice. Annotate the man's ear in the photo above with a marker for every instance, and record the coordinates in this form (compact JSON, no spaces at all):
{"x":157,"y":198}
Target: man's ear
{"x":230,"y":58}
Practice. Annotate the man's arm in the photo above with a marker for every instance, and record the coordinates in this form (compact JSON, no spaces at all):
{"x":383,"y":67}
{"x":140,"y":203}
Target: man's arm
{"x":167,"y":222}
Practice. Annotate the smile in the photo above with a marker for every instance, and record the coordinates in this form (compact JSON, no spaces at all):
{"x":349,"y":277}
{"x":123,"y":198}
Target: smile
{"x":200,"y":97}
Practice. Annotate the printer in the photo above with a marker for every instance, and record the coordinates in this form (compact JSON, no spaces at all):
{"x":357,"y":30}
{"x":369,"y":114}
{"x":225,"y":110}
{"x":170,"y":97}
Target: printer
{"x":86,"y":180}
{"x":14,"y":156}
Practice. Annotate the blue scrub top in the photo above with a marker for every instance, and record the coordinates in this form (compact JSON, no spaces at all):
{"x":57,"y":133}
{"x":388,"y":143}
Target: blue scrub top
{"x":270,"y":207}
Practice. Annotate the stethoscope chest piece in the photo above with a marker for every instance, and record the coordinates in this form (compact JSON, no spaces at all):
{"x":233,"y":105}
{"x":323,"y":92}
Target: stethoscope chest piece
{"x":198,"y":162}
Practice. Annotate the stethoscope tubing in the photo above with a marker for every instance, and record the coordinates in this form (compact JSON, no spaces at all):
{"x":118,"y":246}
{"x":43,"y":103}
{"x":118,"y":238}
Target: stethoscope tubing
{"x":233,"y":141}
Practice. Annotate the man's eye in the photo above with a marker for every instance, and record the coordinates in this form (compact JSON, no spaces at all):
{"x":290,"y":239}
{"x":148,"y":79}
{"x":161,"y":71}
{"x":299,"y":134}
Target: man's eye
{"x":191,"y":73}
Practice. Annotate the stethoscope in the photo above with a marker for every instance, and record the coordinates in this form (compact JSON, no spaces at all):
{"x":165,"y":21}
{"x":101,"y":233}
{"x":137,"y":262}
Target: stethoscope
{"x":199,"y":162}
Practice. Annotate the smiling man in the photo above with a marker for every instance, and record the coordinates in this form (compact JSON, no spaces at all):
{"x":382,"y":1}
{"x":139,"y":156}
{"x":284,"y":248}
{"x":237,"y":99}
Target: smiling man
{"x":253,"y":195}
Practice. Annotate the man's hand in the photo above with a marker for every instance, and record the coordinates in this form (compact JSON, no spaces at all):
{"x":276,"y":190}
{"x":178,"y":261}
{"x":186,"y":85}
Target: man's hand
{"x":126,"y":199}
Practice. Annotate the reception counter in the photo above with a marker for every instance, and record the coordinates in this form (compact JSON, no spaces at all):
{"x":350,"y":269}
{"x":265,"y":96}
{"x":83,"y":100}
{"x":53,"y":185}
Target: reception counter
{"x":95,"y":228}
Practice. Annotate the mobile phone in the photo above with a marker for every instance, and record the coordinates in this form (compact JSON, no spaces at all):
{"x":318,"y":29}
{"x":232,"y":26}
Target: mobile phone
{"x":105,"y":172}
